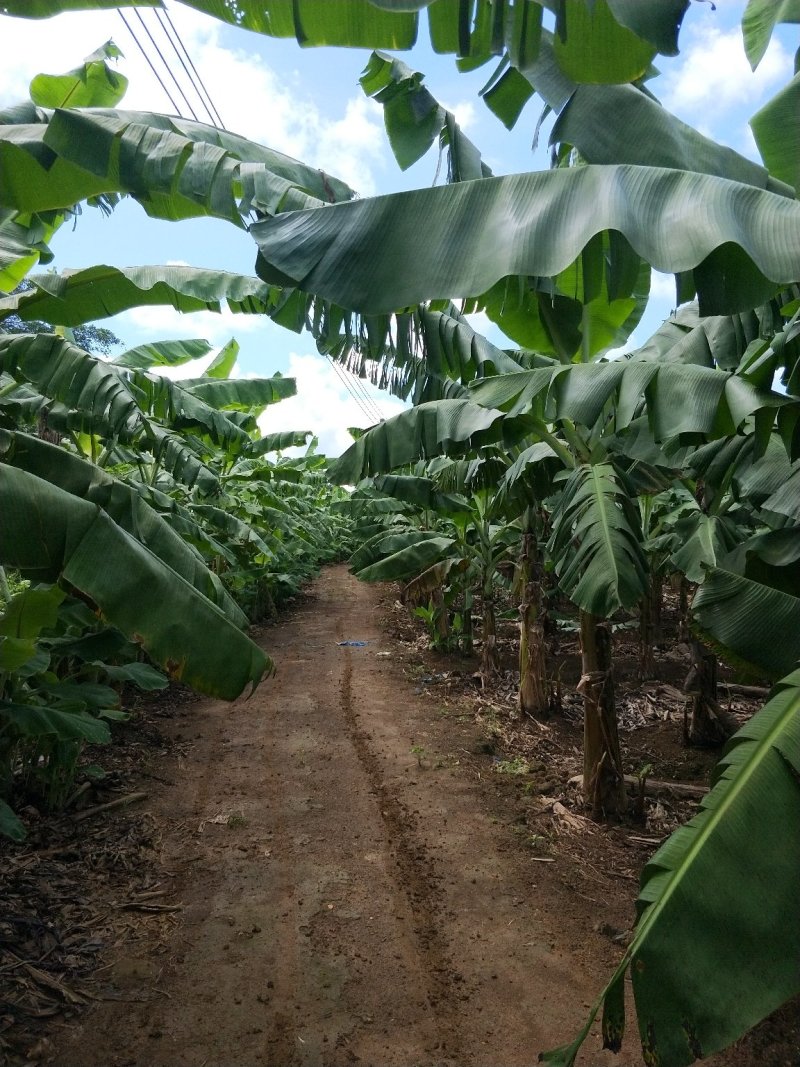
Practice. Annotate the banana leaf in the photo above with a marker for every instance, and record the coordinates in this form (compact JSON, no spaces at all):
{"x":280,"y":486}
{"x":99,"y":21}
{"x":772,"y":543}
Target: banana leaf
{"x":125,"y":506}
{"x":596,"y":544}
{"x":48,"y":534}
{"x":758,"y":623}
{"x":374,"y":257}
{"x":718,"y":935}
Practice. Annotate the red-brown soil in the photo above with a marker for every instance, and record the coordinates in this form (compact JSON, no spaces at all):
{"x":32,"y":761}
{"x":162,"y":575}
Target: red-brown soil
{"x":344,"y":869}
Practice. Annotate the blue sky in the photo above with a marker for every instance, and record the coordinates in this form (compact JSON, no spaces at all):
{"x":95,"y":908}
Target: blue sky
{"x":308,"y":103}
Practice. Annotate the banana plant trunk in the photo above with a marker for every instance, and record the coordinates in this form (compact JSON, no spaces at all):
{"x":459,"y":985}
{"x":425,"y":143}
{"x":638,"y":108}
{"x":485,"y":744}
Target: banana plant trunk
{"x":706,"y":724}
{"x":533,"y":688}
{"x":649,"y":627}
{"x":441,"y":623}
{"x":467,"y":630}
{"x":603,"y":781}
{"x":489,"y":657}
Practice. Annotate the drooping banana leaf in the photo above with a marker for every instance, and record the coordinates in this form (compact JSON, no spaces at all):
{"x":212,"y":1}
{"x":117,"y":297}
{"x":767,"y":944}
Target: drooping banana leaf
{"x":23,"y":244}
{"x":124,"y":505}
{"x":760,"y":624}
{"x":760,"y":19}
{"x":424,"y":431}
{"x":643,"y":132}
{"x":414,"y":119}
{"x":78,"y":296}
{"x":38,"y":720}
{"x":718,"y":936}
{"x":46,"y":533}
{"x":776,"y":128}
{"x":596,"y":544}
{"x":419,"y":491}
{"x":243,"y":394}
{"x":374,"y":257}
{"x":278,"y":442}
{"x":407,"y":562}
{"x":677,"y":398}
{"x":174,"y":168}
{"x":162,"y":354}
{"x":704,"y":540}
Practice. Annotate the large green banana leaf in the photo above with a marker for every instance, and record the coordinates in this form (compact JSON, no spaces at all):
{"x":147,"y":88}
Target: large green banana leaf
{"x":642,"y":133}
{"x":760,"y":624}
{"x":93,"y":84}
{"x":243,"y":394}
{"x":23,"y":243}
{"x":613,"y":38}
{"x":78,"y":296}
{"x":718,"y":936}
{"x":42,"y":9}
{"x":776,"y":128}
{"x":421,"y":492}
{"x":374,"y":256}
{"x":47,"y":533}
{"x":785,"y":500}
{"x":174,"y":168}
{"x":596,"y":544}
{"x":593,"y":305}
{"x":760,"y":19}
{"x":162,"y":354}
{"x":124,"y":403}
{"x":704,"y":540}
{"x":397,"y":557}
{"x":424,"y":431}
{"x":124,"y":505}
{"x":679,"y":398}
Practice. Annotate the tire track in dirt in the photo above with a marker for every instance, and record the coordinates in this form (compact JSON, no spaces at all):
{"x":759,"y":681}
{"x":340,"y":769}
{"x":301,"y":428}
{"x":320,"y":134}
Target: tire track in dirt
{"x":416,"y":881}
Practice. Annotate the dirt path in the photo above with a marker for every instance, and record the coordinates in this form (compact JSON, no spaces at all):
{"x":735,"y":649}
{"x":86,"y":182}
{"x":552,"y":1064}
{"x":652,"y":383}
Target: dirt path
{"x":347,"y":905}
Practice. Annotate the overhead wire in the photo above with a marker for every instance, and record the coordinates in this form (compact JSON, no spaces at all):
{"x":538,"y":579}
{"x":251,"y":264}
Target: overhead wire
{"x":143,"y":50}
{"x":169,"y":69}
{"x":198,"y":84}
{"x":360,"y":387}
{"x":370,"y":401}
{"x":344,"y":378}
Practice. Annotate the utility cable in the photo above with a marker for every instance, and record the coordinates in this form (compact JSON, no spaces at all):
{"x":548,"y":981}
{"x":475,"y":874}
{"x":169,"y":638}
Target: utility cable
{"x":361,"y":387}
{"x":358,"y":384}
{"x":141,"y":47}
{"x":169,"y":69}
{"x":197,"y":81}
{"x":364,"y":410}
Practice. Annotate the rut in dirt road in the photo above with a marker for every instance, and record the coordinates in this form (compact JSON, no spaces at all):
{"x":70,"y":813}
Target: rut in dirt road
{"x":341,"y":903}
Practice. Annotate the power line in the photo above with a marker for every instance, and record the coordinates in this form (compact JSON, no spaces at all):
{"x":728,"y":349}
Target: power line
{"x":358,"y":384}
{"x":365,"y":411}
{"x":196,"y":81}
{"x":366,"y":394}
{"x":363,"y":408}
{"x":168,"y":68}
{"x":142,"y":49}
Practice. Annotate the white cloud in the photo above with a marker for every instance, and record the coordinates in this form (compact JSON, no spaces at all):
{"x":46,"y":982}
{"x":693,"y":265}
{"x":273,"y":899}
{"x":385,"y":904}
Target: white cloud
{"x":662,"y":286}
{"x":713,"y":76}
{"x":464,"y":111}
{"x":323,"y":404}
{"x":165,"y":323}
